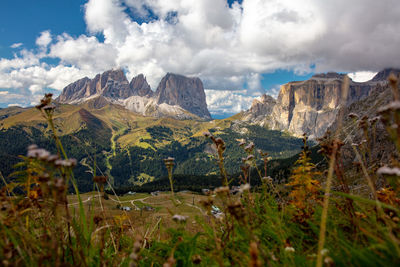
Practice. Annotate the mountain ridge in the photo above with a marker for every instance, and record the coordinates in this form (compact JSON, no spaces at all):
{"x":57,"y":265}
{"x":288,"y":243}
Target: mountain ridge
{"x":312,"y":105}
{"x":176,"y":96}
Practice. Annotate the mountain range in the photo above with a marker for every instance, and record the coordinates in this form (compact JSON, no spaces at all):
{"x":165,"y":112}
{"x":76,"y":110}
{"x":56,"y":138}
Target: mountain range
{"x":176,"y":96}
{"x":310,"y":106}
{"x":128,"y":129}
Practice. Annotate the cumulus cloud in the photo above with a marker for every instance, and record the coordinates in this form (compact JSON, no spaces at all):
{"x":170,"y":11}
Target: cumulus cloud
{"x":227,"y":47}
{"x":227,"y":102}
{"x":16,"y":45}
{"x":362,"y":76}
{"x":44,"y":39}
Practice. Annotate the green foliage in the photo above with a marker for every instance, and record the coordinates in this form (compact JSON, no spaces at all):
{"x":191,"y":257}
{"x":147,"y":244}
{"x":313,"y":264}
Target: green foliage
{"x":253,"y":228}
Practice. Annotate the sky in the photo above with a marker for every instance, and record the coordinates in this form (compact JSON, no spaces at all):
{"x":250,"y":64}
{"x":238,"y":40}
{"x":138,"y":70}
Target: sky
{"x":240,"y":49}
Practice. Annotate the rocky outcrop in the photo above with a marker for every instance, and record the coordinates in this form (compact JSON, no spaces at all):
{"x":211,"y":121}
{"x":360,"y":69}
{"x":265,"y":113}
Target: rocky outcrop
{"x":112,"y":84}
{"x":188,"y":93}
{"x":311,"y":106}
{"x":260,"y":111}
{"x":177,"y":96}
{"x":140,"y":86}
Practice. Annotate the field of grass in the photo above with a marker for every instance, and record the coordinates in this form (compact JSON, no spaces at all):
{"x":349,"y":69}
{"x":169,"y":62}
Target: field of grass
{"x":314,"y":219}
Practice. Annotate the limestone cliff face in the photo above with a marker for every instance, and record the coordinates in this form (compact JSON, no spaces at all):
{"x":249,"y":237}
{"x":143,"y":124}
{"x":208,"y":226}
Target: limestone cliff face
{"x":260,"y":110}
{"x":177,"y":96}
{"x":140,"y":86}
{"x":188,"y":93}
{"x":311,"y":106}
{"x":112,"y":83}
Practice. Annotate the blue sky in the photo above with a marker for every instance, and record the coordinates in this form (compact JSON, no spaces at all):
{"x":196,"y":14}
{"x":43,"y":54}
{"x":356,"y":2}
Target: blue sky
{"x":240,"y":49}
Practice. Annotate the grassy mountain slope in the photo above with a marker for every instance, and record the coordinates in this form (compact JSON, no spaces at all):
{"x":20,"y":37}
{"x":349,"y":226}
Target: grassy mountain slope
{"x":130,"y":148}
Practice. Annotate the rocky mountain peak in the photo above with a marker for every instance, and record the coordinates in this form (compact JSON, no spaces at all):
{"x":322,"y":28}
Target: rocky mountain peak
{"x":309,"y":106}
{"x":262,"y":105}
{"x":384,"y":74}
{"x":177,"y":96}
{"x":329,"y":75}
{"x":185,"y":92}
{"x":140,"y":87}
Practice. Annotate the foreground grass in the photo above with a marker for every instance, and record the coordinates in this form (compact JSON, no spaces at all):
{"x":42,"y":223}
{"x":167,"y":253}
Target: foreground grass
{"x":269,"y":225}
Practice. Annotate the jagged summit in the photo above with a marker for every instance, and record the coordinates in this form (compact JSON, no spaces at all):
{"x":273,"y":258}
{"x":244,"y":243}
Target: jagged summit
{"x":329,"y":75}
{"x":176,"y":96}
{"x":140,"y":86}
{"x":384,"y":74}
{"x":188,"y":93}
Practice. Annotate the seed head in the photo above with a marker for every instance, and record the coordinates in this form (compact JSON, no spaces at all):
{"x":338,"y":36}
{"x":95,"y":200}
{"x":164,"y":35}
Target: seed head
{"x":196,"y":259}
{"x":207,"y":134}
{"x":289,"y":249}
{"x":222,"y":190}
{"x":267,"y":179}
{"x":46,"y":100}
{"x":353,"y":116}
{"x":65,"y":162}
{"x":249,"y":148}
{"x":100,"y":179}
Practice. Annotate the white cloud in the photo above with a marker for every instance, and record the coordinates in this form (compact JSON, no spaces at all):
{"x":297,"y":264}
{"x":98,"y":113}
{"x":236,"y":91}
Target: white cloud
{"x":225,"y":101}
{"x":3,"y":92}
{"x":84,"y":52}
{"x":44,"y":39}
{"x":16,"y":45}
{"x":362,"y":76}
{"x":274,"y":91}
{"x":228,"y":48}
{"x":26,"y":58}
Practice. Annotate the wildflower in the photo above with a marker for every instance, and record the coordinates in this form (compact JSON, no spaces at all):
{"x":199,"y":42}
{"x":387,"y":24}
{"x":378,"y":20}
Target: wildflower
{"x":267,"y":179}
{"x":207,"y":134}
{"x":196,"y":259}
{"x":249,"y":147}
{"x":65,"y":162}
{"x":49,"y":107}
{"x":375,"y":119}
{"x":179,"y":218}
{"x":52,"y":158}
{"x":44,"y":177}
{"x":328,"y":261}
{"x":222,"y":190}
{"x":32,"y":147}
{"x":389,"y":171}
{"x":250,"y":157}
{"x":169,"y":162}
{"x":353,"y":116}
{"x":392,"y":106}
{"x":46,"y":100}
{"x":100,"y":179}
{"x":38,"y":153}
{"x":207,"y":203}
{"x":324,"y":251}
{"x":219,"y":141}
{"x":244,"y":187}
{"x":236,"y":209}
{"x":289,"y":249}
